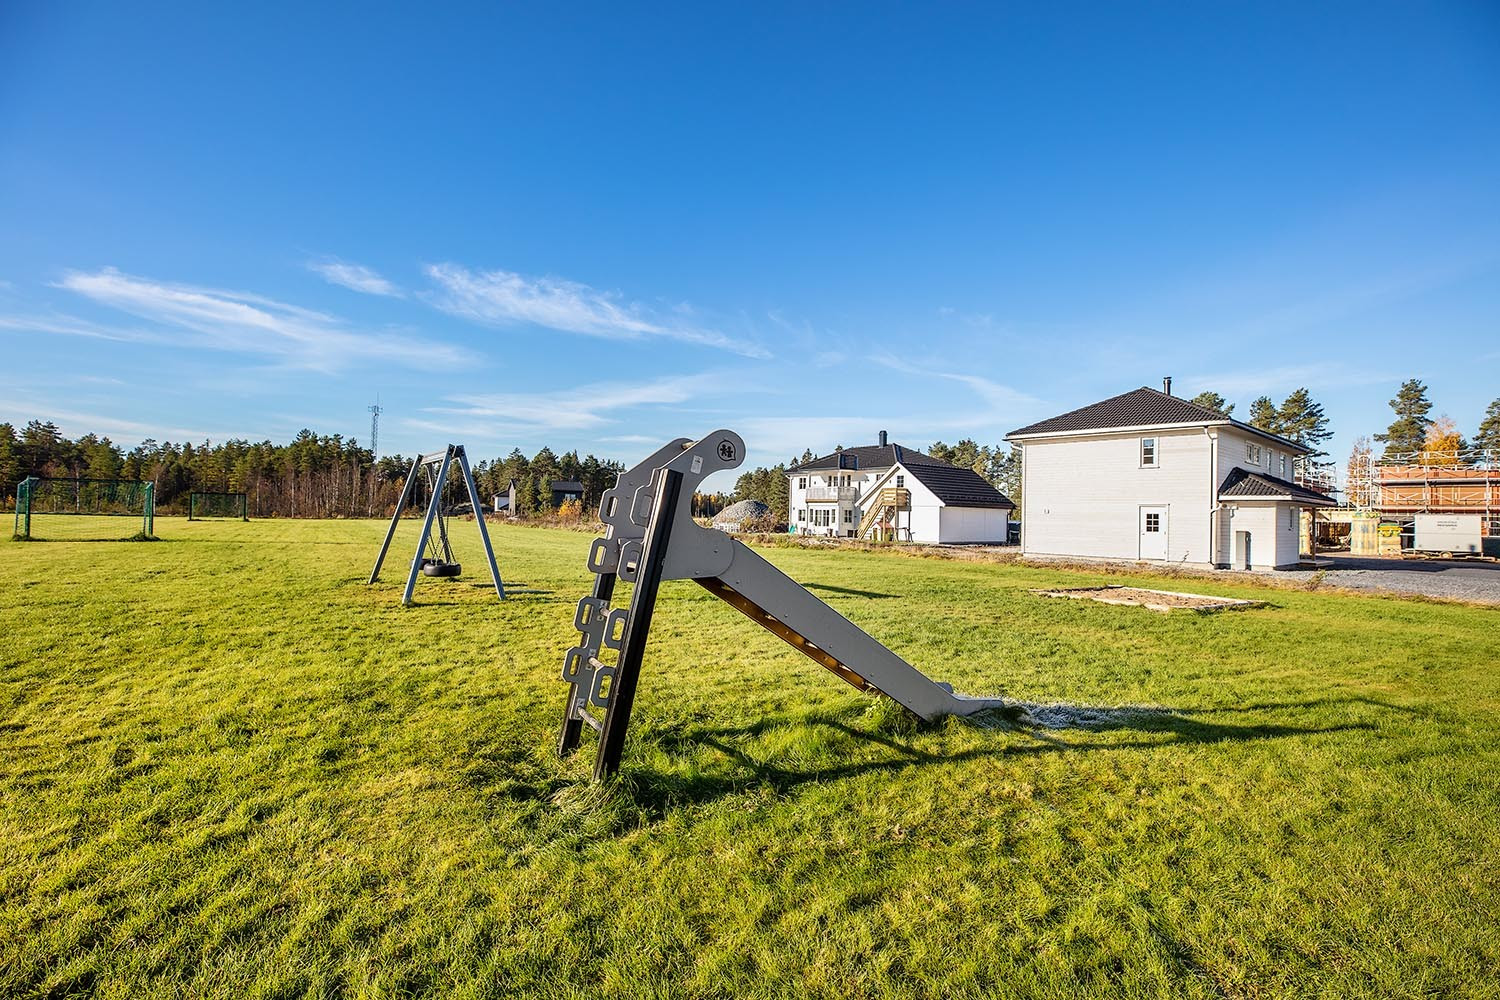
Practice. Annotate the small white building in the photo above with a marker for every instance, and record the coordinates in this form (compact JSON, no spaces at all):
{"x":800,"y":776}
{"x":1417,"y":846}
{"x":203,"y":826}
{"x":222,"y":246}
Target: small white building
{"x":1148,"y":476}
{"x":886,"y":491}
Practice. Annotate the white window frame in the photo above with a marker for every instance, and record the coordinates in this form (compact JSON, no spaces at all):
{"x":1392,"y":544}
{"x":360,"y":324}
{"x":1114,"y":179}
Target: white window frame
{"x":1283,"y":466}
{"x":802,"y":514}
{"x":900,"y":482}
{"x":801,"y":482}
{"x":1291,"y":520}
{"x":1155,"y":446}
{"x":1252,"y":454}
{"x":848,"y":516}
{"x":1150,"y":516}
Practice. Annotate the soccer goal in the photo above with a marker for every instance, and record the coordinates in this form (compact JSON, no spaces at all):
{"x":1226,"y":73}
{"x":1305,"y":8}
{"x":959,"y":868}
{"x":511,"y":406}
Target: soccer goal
{"x":203,"y":506}
{"x":84,"y":509}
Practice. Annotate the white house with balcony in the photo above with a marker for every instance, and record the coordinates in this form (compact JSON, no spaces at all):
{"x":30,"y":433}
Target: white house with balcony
{"x":1146,"y":476}
{"x":886,"y":491}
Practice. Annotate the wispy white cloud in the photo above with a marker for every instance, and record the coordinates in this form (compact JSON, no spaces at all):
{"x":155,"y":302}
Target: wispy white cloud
{"x":576,"y":408}
{"x":74,"y":422}
{"x":356,"y":277}
{"x":505,"y":298}
{"x":216,"y":319}
{"x":1000,"y":400}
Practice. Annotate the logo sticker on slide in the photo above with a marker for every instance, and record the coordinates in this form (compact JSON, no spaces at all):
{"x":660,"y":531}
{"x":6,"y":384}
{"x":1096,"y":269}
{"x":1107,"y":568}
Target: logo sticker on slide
{"x":726,"y":450}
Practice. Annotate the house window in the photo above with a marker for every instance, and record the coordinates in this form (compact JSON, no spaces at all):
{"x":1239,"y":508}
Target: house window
{"x":1148,"y":453}
{"x":1252,"y":453}
{"x":900,"y":482}
{"x":1291,"y":519}
{"x":802,"y":514}
{"x":801,"y":482}
{"x":1153,"y":522}
{"x":848,"y":516}
{"x":1283,"y":466}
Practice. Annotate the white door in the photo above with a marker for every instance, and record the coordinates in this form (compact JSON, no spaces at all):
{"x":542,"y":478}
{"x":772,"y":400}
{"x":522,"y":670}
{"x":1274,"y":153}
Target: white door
{"x":1153,"y":533}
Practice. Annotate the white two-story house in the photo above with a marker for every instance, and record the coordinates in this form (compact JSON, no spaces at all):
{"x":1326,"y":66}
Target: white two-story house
{"x":888,"y":492}
{"x":1148,"y":476}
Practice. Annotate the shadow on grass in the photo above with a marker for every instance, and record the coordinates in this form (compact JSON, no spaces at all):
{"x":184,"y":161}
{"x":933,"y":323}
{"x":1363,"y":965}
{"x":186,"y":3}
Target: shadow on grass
{"x":849,"y":592}
{"x":656,"y":793}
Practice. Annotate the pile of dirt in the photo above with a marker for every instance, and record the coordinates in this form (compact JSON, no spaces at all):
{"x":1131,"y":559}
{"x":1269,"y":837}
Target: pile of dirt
{"x":1156,"y":600}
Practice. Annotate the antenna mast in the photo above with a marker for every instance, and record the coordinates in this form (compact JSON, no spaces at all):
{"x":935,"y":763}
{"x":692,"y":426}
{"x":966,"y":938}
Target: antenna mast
{"x":375,"y":412}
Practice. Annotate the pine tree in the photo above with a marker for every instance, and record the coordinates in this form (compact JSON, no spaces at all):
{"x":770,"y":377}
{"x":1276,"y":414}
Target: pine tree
{"x":10,"y":464}
{"x":1488,"y":438}
{"x":1409,"y":430}
{"x":1303,"y":420}
{"x":1214,"y":402}
{"x":1263,"y":414}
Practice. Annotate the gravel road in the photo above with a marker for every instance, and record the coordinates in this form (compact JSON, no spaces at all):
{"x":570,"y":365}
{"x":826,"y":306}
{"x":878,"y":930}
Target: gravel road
{"x":1462,"y":579}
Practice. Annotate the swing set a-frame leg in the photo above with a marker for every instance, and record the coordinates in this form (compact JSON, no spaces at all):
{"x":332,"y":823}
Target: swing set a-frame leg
{"x":442,"y":460}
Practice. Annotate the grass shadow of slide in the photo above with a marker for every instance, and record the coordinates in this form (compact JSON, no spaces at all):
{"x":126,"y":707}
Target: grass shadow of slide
{"x":1050,"y":729}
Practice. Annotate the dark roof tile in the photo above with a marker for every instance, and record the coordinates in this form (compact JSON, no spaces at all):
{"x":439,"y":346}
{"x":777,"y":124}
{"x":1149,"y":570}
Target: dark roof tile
{"x":958,"y":487}
{"x":1242,"y":484}
{"x":1141,"y":407}
{"x":869,"y":456}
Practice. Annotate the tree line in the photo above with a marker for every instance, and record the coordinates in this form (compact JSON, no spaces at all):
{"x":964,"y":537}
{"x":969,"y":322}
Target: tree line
{"x":313,"y":475}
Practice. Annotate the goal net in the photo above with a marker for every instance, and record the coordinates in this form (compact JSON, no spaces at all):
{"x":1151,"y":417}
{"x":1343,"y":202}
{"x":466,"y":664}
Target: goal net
{"x":202,"y":506}
{"x":84,"y":509}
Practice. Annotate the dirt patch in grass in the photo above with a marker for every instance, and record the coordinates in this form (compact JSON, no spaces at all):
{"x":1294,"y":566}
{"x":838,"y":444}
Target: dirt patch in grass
{"x":1156,"y":600}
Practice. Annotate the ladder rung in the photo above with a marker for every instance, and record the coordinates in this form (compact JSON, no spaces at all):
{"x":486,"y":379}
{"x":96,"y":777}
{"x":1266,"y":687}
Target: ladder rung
{"x":597,"y":726}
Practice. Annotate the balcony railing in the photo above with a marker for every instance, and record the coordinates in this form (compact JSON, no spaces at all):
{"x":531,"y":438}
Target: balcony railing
{"x":832,"y":494}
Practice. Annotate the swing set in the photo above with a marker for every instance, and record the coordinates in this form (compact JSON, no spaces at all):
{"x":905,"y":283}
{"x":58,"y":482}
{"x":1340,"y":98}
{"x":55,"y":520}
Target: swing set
{"x":434,"y":556}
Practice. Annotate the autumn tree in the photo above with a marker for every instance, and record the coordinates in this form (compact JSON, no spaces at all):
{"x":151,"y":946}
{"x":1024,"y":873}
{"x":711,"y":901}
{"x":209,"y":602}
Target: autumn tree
{"x":1356,"y":473}
{"x":1408,"y":431}
{"x":1443,"y":443}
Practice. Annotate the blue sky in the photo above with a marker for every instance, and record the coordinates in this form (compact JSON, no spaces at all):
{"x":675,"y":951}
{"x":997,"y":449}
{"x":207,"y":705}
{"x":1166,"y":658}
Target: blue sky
{"x":606,"y":226}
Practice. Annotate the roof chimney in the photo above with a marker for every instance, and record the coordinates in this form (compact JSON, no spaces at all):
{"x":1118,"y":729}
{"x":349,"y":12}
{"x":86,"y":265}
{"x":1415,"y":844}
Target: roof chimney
{"x":1166,"y":385}
{"x":882,"y":439}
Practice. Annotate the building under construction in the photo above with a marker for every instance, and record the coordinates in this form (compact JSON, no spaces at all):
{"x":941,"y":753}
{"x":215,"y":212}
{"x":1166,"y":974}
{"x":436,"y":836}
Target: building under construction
{"x":1390,"y":492}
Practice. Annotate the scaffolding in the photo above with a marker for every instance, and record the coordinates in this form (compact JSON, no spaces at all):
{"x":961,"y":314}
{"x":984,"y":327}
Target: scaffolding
{"x":1465,"y":481}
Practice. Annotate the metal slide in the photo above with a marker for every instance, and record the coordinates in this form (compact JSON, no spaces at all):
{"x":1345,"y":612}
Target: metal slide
{"x":650,"y":536}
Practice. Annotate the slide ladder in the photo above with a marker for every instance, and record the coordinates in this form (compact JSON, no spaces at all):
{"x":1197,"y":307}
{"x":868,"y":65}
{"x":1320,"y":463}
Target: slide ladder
{"x":651,"y":536}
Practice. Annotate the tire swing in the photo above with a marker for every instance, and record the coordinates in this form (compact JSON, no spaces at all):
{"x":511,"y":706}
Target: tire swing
{"x":439,"y":560}
{"x":433,"y":556}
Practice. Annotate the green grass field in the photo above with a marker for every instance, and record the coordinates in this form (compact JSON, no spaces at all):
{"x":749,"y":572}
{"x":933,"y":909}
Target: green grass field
{"x":231,"y":769}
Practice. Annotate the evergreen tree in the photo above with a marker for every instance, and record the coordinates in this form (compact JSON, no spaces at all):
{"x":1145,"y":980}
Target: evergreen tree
{"x":10,"y":460}
{"x":1488,"y":438}
{"x":1214,"y":402}
{"x":1409,"y":430}
{"x":1004,"y":472}
{"x":1263,"y":414}
{"x":1303,"y":420}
